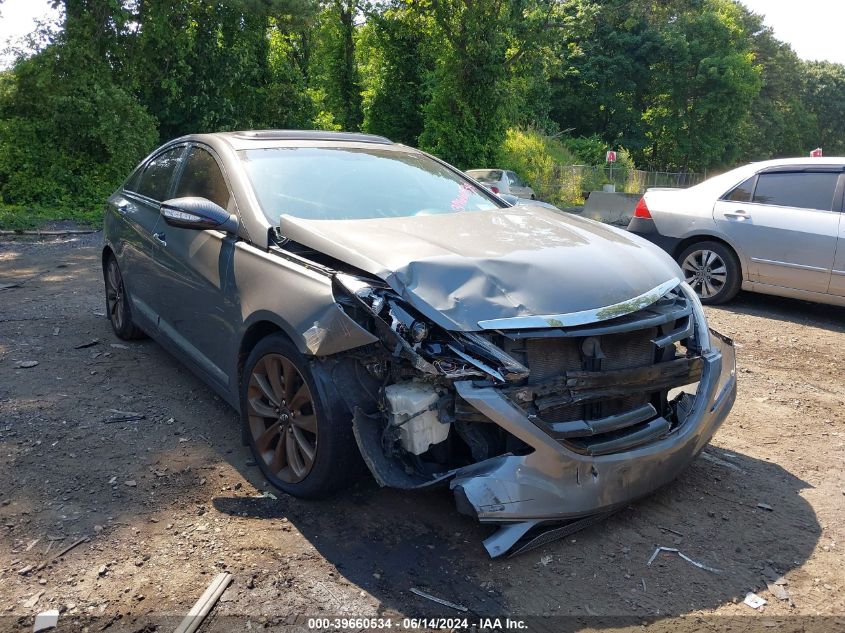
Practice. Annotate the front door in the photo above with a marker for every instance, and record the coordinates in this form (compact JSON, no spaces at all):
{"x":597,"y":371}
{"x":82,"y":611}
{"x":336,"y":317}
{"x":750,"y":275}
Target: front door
{"x":197,"y":302}
{"x":138,"y":206}
{"x":787,"y":227}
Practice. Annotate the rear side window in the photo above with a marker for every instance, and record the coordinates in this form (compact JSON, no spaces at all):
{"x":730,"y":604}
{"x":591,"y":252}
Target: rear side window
{"x":155,"y":181}
{"x":805,"y":190}
{"x":202,"y":177}
{"x":486,"y":175}
{"x":743,"y":192}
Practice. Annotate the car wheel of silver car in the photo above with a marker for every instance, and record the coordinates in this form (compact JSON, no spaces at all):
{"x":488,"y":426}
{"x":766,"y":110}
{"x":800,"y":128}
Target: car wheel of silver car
{"x":117,"y":303}
{"x":713,"y":271}
{"x":303,"y":443}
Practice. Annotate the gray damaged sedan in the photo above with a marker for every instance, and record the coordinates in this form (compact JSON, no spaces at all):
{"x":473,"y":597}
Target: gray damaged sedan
{"x":360,"y":303}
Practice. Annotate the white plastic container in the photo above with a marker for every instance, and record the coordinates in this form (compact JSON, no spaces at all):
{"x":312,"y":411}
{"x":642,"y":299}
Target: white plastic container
{"x":413,"y":410}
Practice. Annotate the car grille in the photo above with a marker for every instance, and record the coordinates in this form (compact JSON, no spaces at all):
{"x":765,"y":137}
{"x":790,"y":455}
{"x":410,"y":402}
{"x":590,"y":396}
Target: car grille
{"x":602,"y":388}
{"x":550,"y":358}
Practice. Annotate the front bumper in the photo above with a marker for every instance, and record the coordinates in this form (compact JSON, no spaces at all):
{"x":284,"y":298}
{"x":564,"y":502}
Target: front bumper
{"x":553,"y":483}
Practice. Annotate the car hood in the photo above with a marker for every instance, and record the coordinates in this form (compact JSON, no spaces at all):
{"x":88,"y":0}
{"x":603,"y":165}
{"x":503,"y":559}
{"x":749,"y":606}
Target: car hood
{"x":461,"y":268}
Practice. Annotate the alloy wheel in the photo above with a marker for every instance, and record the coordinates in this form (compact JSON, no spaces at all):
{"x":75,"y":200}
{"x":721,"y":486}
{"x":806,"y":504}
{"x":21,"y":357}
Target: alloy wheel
{"x":282,"y":418}
{"x":115,"y":294}
{"x":705,"y":272}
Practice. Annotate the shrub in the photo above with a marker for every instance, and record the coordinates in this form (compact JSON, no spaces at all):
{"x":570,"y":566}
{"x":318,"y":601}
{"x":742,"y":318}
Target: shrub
{"x":68,"y":133}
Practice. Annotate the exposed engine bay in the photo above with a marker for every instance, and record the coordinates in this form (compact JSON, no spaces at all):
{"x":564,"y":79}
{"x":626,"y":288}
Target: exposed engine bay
{"x":432,"y":405}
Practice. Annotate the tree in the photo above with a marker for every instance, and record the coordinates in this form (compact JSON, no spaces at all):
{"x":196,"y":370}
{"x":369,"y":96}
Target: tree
{"x":606,"y":75}
{"x":335,"y":73}
{"x":779,"y":124}
{"x":396,"y":59}
{"x":703,"y":84}
{"x":824,"y":97}
{"x":70,"y":131}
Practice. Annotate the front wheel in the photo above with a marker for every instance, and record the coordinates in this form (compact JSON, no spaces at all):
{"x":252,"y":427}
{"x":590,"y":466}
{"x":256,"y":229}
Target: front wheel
{"x":301,"y":440}
{"x":712,"y":270}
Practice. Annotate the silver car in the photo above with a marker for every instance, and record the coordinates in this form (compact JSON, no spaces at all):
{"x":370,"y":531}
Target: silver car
{"x":364,"y":305}
{"x":502,"y":181}
{"x":773,"y":227}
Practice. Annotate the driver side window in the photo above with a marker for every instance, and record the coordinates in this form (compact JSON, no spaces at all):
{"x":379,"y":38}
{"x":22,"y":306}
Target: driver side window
{"x":203,"y":178}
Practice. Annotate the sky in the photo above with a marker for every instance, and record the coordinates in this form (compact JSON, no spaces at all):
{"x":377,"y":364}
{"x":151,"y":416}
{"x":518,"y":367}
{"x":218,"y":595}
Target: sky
{"x":814,"y":28}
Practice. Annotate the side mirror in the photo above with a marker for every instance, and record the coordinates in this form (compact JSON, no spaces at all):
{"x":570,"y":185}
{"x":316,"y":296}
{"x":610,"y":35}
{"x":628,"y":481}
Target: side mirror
{"x":198,"y":214}
{"x":511,"y":199}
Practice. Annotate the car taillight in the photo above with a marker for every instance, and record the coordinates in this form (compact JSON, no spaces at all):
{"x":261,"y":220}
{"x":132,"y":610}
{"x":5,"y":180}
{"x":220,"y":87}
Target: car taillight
{"x":494,"y":189}
{"x":642,"y":210}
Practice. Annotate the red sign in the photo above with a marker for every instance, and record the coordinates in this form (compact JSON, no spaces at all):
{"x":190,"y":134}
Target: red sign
{"x":611,"y":156}
{"x":816,"y":153}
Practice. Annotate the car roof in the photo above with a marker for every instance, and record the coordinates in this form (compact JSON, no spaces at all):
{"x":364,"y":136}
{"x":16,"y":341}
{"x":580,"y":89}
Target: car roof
{"x":804,"y":160}
{"x":252,"y":139}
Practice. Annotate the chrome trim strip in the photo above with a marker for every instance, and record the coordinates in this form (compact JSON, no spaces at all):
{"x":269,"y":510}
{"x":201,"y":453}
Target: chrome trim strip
{"x":574,"y":319}
{"x":788,"y":264}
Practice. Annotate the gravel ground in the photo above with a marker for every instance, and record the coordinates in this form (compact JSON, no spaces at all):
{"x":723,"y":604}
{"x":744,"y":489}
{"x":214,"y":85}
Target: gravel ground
{"x":169,"y":500}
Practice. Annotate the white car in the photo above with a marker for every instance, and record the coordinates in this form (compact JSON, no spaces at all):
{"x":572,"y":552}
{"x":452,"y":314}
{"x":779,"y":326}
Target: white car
{"x":774,"y":227}
{"x":502,"y":181}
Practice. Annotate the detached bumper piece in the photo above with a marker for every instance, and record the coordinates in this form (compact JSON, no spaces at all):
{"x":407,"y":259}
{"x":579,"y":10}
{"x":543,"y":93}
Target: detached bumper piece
{"x":581,"y":469}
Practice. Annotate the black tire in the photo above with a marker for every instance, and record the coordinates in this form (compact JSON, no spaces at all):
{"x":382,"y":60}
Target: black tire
{"x":118,"y":308}
{"x":336,"y":461}
{"x":713,"y":270}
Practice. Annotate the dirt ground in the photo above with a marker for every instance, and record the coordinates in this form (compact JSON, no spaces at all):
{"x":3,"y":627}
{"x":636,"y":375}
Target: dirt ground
{"x":169,"y":500}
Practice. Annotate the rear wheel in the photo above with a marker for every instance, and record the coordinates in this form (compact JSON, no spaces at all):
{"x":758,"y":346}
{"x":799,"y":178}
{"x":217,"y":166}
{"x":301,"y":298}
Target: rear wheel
{"x":117,"y":304}
{"x":302,"y":441}
{"x":712,"y":270}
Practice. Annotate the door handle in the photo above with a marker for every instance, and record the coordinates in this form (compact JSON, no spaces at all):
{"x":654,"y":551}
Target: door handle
{"x":160,"y":238}
{"x":739,"y":215}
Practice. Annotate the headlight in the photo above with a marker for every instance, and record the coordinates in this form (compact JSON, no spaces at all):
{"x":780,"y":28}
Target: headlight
{"x":702,"y":332}
{"x":364,"y":290}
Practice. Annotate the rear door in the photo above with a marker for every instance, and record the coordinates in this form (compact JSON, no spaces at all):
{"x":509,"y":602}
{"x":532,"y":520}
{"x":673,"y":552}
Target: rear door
{"x":837,"y":279}
{"x":196,"y":300}
{"x":138,"y":207}
{"x":783,"y":219}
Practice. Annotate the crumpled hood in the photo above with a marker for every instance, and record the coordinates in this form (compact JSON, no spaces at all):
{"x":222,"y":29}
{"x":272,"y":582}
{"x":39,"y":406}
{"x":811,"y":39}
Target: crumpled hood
{"x":461,"y":268}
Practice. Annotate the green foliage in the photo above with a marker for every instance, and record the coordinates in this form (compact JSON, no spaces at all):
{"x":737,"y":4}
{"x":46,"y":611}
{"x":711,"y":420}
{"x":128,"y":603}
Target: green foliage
{"x":532,"y":85}
{"x":541,"y":161}
{"x":396,"y":58}
{"x":464,"y":121}
{"x":824,"y":96}
{"x":68,"y":133}
{"x":335,"y":70}
{"x":708,"y":82}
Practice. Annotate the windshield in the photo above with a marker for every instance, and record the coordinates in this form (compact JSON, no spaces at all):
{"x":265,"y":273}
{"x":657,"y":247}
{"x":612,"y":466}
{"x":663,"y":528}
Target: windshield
{"x":486,"y":175}
{"x":341,"y":183}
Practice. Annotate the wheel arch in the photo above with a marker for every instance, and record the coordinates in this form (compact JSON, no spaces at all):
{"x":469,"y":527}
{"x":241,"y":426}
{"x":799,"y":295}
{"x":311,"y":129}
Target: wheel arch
{"x":107,"y":254}
{"x":688,"y":241}
{"x":258,"y":329}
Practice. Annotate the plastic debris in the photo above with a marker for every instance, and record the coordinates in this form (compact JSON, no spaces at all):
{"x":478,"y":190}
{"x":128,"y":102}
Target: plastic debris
{"x":445,"y":603}
{"x":46,"y":620}
{"x":778,"y":591}
{"x":754,"y":601}
{"x":673,"y":550}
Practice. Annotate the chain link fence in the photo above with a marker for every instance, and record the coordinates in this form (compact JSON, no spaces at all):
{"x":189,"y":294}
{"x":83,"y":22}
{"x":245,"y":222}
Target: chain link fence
{"x":581,"y":179}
